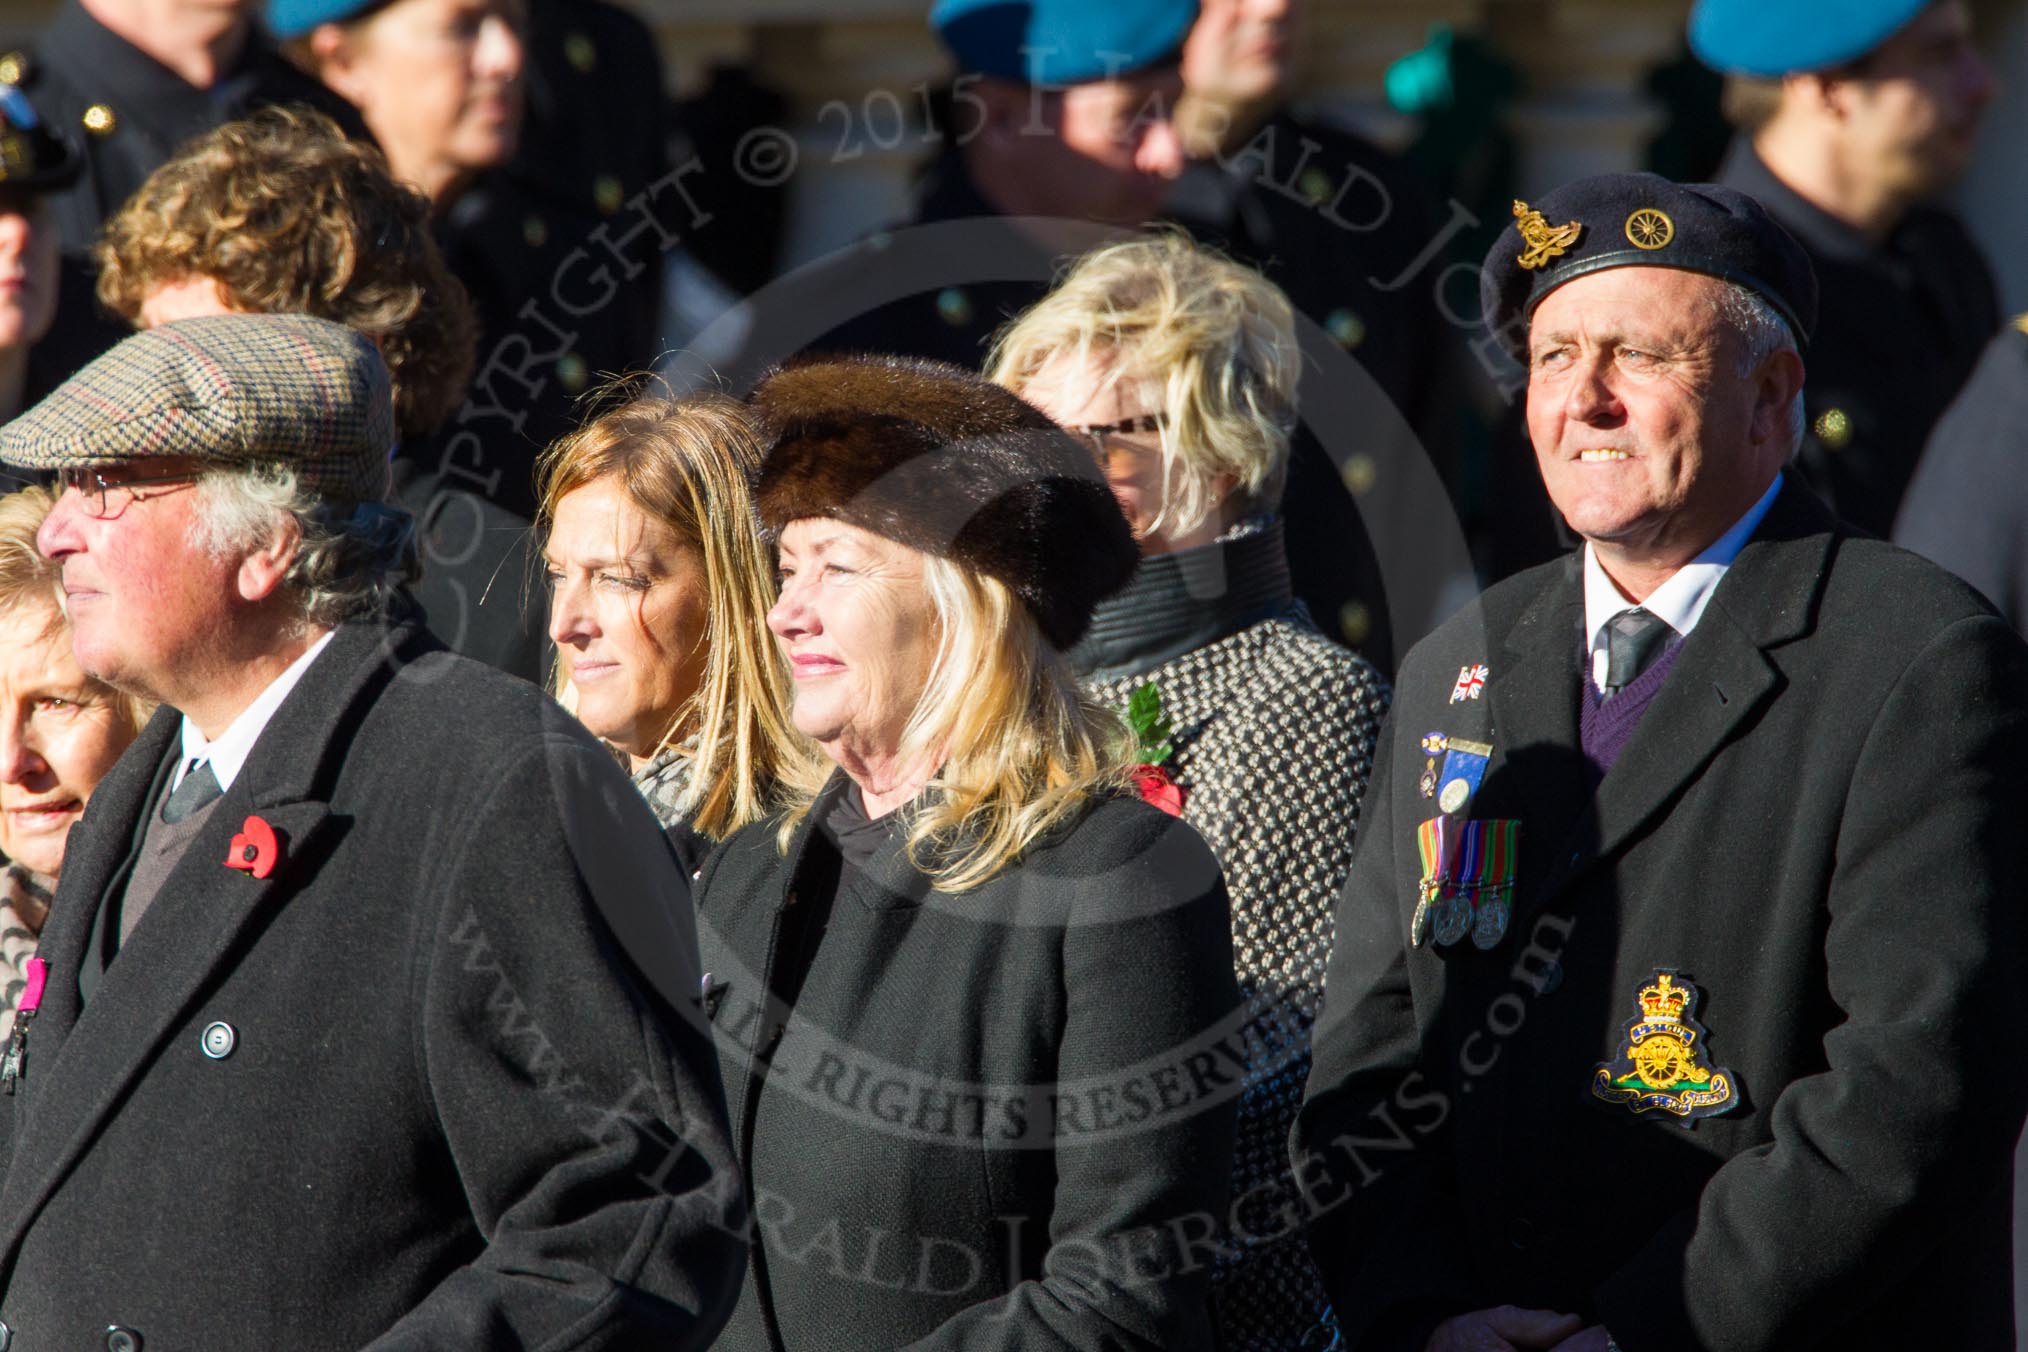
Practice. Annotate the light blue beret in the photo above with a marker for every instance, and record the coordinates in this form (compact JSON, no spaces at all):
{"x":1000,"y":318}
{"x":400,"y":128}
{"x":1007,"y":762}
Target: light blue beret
{"x":1062,"y":42}
{"x":293,"y":18}
{"x":1769,"y":38}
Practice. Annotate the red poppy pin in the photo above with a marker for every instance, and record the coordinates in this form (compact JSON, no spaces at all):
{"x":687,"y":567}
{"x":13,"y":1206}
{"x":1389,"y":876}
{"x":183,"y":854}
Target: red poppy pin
{"x":1160,"y":788}
{"x":254,"y":849}
{"x":1150,"y":725}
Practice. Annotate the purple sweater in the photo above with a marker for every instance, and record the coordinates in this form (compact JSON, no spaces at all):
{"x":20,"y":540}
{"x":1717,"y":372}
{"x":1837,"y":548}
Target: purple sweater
{"x":1604,"y":727}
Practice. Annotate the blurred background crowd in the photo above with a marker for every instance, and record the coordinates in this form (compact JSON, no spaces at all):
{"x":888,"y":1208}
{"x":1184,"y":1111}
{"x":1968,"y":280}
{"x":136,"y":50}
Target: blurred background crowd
{"x":708,"y":188}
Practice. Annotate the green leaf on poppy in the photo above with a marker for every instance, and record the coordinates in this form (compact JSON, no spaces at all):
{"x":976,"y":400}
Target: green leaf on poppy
{"x":1150,"y":725}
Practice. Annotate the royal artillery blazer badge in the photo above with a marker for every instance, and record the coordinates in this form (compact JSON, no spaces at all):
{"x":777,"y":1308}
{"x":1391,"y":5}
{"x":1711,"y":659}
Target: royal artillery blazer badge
{"x":1658,"y":1069}
{"x":1467,"y":880}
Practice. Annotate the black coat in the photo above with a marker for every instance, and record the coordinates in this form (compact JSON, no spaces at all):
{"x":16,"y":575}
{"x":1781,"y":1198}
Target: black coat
{"x":898,"y":1137}
{"x":1968,"y":506}
{"x":1818,"y":823}
{"x":451,"y":1113}
{"x":1900,"y":324}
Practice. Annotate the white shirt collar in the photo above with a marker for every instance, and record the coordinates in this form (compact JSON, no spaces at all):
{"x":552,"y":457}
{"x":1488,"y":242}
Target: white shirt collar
{"x":236,"y":743}
{"x":1680,"y":601}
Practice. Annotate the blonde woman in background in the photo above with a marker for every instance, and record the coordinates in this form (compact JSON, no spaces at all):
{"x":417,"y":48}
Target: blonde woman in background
{"x":659,"y":588}
{"x":1178,"y":368}
{"x":60,"y":732}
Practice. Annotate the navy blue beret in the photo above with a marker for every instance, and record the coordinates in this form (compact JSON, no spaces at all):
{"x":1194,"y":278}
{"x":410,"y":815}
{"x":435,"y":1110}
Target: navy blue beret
{"x":293,"y":18}
{"x":1641,"y":220}
{"x":1062,"y":42}
{"x":1776,"y":37}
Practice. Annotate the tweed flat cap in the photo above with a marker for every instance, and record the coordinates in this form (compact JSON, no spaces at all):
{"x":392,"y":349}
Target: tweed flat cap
{"x":1641,"y":220}
{"x":949,"y":464}
{"x":236,"y":389}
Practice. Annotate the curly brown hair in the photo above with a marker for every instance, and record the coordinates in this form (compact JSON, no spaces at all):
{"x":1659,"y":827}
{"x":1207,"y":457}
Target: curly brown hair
{"x":290,"y":216}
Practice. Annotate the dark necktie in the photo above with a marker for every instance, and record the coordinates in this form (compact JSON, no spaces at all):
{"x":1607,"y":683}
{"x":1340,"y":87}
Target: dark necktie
{"x":1633,"y":640}
{"x":199,"y":787}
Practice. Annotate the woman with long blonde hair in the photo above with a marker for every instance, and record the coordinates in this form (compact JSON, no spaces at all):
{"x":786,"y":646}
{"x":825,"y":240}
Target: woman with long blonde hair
{"x":659,"y":588}
{"x":951,"y":980}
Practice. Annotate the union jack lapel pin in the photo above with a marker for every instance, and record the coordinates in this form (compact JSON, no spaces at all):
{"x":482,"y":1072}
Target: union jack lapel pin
{"x":1471,"y":680}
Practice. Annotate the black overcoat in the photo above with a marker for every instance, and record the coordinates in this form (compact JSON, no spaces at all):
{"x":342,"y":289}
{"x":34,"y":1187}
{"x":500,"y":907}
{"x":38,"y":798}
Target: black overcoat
{"x":453,"y":1113}
{"x":994,"y":1119}
{"x":1818,"y":823}
{"x":1967,"y":508}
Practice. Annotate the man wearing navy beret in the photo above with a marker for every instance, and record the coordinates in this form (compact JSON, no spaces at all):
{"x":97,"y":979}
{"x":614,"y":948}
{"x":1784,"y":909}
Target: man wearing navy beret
{"x":1684,"y":932}
{"x":1852,"y":118}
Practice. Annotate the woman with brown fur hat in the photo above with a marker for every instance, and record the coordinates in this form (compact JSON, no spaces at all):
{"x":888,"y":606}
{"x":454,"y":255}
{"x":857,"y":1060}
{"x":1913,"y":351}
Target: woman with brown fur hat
{"x":968,"y":987}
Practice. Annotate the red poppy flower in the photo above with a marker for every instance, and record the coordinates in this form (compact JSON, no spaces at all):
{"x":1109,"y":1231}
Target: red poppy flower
{"x":254,"y":849}
{"x":1159,"y":787}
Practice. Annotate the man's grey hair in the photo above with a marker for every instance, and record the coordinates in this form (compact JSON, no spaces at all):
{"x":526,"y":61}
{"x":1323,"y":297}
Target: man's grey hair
{"x":351,"y":558}
{"x":1762,"y":332}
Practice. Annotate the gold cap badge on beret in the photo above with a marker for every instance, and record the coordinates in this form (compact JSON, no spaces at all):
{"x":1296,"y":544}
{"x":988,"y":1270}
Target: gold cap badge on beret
{"x":1544,"y":241}
{"x":1650,"y":229}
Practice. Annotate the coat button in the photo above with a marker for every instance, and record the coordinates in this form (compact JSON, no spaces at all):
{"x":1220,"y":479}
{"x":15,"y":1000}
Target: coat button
{"x":218,"y":1041}
{"x":121,"y":1339}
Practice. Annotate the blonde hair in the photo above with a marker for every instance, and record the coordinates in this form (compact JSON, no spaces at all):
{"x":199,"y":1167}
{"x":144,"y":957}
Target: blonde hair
{"x":1022,"y":747}
{"x":26,"y":577}
{"x":687,"y":463}
{"x":1212,"y":344}
{"x":25,"y":574}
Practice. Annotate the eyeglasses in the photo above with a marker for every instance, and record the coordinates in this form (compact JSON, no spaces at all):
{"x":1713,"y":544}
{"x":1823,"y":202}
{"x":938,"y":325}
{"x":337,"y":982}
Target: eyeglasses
{"x":96,"y":494}
{"x":1096,"y":433}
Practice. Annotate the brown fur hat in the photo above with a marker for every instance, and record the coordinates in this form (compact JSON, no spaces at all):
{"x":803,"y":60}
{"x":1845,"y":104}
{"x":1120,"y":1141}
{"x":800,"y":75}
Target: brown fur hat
{"x":936,"y":458}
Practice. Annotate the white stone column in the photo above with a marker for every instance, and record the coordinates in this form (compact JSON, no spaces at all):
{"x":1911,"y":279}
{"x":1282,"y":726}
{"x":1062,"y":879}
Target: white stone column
{"x":1583,"y":109}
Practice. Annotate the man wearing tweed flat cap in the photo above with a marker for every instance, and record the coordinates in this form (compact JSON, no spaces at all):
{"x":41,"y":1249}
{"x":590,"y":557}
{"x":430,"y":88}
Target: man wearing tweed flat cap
{"x":399,"y":1058}
{"x":1688,"y":892}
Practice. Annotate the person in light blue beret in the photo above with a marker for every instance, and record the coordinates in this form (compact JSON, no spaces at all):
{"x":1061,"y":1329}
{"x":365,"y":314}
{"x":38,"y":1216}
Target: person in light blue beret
{"x":1056,"y":128}
{"x":1852,"y":119}
{"x":1102,"y":79}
